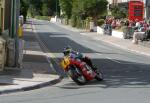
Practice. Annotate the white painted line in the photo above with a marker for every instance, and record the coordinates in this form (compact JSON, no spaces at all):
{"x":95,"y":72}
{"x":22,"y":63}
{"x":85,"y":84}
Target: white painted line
{"x":98,"y":54}
{"x":113,"y":60}
{"x":30,"y":52}
{"x":100,"y":46}
{"x":85,"y":41}
{"x":127,"y":49}
{"x":83,"y":33}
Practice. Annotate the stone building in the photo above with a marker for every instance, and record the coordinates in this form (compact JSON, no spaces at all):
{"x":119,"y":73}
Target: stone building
{"x":147,"y":8}
{"x":9,"y":17}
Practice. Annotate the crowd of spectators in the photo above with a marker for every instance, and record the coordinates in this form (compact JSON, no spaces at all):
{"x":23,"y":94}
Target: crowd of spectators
{"x":129,"y":25}
{"x":138,"y":25}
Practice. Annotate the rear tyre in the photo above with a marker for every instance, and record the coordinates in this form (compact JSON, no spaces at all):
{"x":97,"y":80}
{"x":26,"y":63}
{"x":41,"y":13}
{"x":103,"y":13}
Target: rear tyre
{"x":99,"y":76}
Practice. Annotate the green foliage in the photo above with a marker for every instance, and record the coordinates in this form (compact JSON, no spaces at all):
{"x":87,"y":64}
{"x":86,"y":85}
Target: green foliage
{"x":89,"y":19}
{"x":81,"y":9}
{"x":53,"y":7}
{"x":100,"y":22}
{"x":118,"y":12}
{"x":42,"y":17}
{"x":40,"y":7}
{"x":24,"y":8}
{"x":45,"y":9}
{"x":76,"y":10}
{"x":66,"y":7}
{"x":95,"y":7}
{"x":36,"y":6}
{"x":32,"y":11}
{"x":0,"y":31}
{"x":73,"y":21}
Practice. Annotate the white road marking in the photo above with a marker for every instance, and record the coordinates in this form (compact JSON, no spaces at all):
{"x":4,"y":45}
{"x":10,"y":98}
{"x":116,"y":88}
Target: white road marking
{"x":113,"y":60}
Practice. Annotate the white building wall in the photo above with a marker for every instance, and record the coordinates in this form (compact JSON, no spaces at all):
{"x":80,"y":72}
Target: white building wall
{"x":110,"y":1}
{"x":121,"y":1}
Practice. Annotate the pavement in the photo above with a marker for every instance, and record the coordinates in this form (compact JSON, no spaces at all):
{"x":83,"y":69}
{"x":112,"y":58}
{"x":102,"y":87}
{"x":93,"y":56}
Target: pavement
{"x":126,"y":44}
{"x":36,"y":71}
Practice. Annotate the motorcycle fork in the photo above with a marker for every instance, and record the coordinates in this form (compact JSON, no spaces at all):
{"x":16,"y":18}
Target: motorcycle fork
{"x":76,"y":71}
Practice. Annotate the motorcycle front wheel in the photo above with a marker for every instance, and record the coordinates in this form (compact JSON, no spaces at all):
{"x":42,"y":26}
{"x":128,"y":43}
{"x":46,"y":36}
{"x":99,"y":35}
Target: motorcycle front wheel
{"x":77,"y":76}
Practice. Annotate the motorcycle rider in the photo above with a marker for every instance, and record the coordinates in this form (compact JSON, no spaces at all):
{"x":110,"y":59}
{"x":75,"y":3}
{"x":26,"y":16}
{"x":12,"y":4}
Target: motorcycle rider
{"x":68,"y":51}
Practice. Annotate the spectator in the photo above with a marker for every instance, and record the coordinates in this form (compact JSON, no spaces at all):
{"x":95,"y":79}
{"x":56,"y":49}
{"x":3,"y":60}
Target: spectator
{"x":113,"y":24}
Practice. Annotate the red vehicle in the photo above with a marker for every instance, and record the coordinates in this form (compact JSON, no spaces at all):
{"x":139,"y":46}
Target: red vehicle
{"x":136,"y":10}
{"x":79,"y":71}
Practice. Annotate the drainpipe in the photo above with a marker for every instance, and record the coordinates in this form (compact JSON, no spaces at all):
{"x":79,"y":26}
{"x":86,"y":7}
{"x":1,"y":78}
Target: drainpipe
{"x":12,"y":18}
{"x":11,"y":41}
{"x":17,"y":27}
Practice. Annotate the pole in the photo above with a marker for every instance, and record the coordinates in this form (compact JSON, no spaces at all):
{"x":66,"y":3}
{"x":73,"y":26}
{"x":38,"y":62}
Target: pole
{"x":17,"y":27}
{"x":12,"y":18}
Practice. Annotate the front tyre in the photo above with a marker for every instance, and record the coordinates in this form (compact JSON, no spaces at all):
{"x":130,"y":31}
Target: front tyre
{"x":77,"y":76}
{"x":80,"y":80}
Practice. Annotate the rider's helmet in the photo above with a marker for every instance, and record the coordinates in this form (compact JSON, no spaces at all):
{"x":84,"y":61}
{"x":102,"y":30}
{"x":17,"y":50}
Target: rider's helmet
{"x":67,"y":50}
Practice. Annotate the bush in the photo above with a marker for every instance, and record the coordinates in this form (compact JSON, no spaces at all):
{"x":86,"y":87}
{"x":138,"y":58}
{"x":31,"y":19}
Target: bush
{"x":100,"y":22}
{"x":79,"y":23}
{"x":42,"y":17}
{"x":0,"y":31}
{"x":73,"y":21}
{"x":89,"y":19}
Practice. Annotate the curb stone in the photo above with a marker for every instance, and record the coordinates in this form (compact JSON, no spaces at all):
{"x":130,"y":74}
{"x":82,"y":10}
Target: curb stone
{"x":41,"y":85}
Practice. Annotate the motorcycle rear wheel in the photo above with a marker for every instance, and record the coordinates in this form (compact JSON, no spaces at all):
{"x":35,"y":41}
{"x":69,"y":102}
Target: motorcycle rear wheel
{"x":99,"y":76}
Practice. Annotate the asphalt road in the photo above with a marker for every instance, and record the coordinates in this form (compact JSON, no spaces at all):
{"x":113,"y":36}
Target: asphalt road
{"x":126,"y":75}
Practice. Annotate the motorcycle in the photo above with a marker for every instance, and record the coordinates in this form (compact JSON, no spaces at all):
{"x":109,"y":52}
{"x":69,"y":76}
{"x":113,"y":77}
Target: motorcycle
{"x":79,"y":71}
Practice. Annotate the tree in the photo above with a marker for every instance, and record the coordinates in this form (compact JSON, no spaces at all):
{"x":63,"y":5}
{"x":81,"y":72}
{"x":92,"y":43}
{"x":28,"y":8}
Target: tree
{"x":45,"y":9}
{"x":81,"y":9}
{"x":91,"y":8}
{"x":24,"y":8}
{"x":32,"y":11}
{"x":118,"y":12}
{"x":66,"y":7}
{"x":95,"y":8}
{"x":36,"y":5}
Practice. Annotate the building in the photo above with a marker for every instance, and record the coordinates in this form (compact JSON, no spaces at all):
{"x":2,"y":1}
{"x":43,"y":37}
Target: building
{"x":9,"y":22}
{"x":147,"y":6}
{"x":2,"y":13}
{"x":116,"y":2}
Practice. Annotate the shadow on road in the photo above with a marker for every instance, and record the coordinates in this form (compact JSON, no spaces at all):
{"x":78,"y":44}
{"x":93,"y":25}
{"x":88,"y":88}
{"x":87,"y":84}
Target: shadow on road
{"x":125,"y":75}
{"x":57,"y":41}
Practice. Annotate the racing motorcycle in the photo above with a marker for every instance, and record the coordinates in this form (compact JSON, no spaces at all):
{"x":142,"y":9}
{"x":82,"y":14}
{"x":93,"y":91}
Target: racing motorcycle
{"x":79,"y":71}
